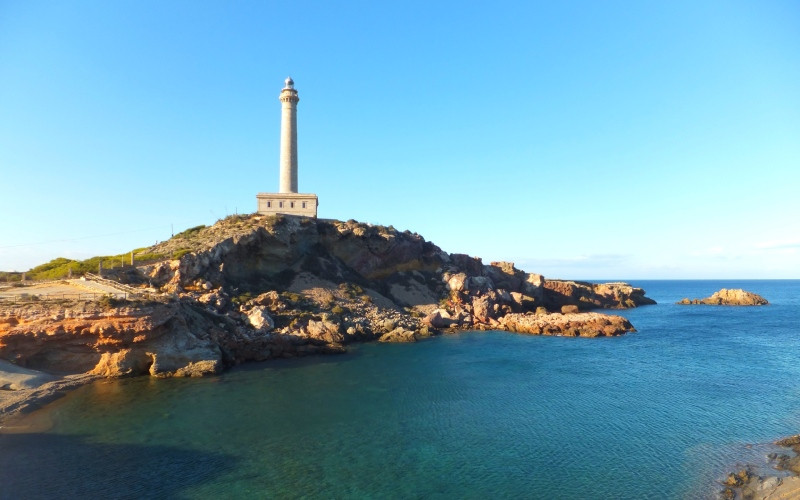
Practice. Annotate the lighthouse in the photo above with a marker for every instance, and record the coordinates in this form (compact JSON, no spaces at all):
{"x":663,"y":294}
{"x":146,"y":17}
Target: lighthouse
{"x":287,"y":200}
{"x":289,"y":100}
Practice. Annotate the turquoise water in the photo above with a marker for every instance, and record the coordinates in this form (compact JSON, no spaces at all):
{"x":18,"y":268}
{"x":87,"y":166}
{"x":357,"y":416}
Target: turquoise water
{"x":662,"y":413}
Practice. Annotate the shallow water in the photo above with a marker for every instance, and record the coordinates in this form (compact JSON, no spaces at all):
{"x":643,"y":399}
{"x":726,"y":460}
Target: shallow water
{"x":661,"y":413}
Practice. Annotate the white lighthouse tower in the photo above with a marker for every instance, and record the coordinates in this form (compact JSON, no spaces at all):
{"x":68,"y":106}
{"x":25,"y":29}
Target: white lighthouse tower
{"x":289,"y":102}
{"x":288,"y":200}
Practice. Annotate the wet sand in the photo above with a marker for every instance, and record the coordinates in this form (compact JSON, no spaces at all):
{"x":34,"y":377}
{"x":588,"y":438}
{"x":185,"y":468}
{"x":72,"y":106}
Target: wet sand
{"x":23,"y":391}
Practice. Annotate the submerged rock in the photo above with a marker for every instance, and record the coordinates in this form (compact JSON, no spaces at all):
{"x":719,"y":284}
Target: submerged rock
{"x":747,"y":485}
{"x":726,"y":297}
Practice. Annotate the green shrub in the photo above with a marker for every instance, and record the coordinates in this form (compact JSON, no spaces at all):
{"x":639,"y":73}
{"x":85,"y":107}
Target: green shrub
{"x":180,"y":253}
{"x":190,"y":232}
{"x":292,"y":297}
{"x":351,"y":289}
{"x":242,"y":299}
{"x":110,"y":302}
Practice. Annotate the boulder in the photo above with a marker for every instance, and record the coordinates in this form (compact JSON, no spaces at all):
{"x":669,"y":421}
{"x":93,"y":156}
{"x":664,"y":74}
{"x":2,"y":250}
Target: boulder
{"x":456,"y":282}
{"x":470,"y":265}
{"x":260,"y":320}
{"x":505,"y":275}
{"x":439,"y":318}
{"x":480,"y":284}
{"x":324,"y":330}
{"x":215,"y":299}
{"x":399,"y":334}
{"x":481,"y":309}
{"x":271,"y":299}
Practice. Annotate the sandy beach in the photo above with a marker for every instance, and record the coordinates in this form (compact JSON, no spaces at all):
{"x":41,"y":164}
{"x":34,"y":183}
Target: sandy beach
{"x":23,"y":390}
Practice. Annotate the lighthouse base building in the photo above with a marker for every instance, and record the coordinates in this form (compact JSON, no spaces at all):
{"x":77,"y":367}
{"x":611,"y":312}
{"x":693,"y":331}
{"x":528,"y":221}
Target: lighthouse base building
{"x":287,"y":203}
{"x":288,"y":200}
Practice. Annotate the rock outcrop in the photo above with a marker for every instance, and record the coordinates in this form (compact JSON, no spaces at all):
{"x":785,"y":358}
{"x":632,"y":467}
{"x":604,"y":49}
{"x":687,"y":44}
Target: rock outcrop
{"x":567,"y":325}
{"x":260,"y":287}
{"x":725,"y":297}
{"x":558,"y":293}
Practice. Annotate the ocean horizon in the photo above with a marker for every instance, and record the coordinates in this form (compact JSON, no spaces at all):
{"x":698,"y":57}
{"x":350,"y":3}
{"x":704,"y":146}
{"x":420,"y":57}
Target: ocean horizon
{"x":665,"y":412}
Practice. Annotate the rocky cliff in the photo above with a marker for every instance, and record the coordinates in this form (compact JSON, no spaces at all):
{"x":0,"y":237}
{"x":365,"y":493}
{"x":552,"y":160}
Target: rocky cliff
{"x":726,"y":297}
{"x":259,"y":287}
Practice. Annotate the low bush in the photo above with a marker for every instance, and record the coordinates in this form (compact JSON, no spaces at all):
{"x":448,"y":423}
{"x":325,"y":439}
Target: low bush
{"x":192,"y":231}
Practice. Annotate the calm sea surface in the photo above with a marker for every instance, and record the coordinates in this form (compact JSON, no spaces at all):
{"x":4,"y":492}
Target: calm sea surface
{"x":662,"y":413}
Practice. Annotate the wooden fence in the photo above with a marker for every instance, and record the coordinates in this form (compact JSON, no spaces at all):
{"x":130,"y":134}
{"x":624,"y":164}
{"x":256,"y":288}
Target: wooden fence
{"x":22,"y":298}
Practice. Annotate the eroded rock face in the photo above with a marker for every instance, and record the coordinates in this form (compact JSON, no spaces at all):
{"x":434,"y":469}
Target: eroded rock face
{"x":174,"y":339}
{"x":159,"y":339}
{"x":558,"y":293}
{"x":725,"y":297}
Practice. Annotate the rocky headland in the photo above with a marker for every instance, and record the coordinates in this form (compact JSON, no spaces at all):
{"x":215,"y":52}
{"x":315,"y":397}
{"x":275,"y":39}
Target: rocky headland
{"x":260,"y":287}
{"x":726,"y":297}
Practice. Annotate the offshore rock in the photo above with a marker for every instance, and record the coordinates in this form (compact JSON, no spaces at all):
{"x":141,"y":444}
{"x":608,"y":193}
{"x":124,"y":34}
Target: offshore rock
{"x":567,"y":325}
{"x":726,"y":297}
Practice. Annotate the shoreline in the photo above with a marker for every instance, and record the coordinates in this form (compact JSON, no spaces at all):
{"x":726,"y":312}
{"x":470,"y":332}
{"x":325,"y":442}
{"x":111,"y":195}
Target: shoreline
{"x":23,"y":390}
{"x":15,"y":404}
{"x":745,"y":484}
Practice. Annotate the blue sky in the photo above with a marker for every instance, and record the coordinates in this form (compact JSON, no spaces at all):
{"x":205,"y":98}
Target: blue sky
{"x":594,"y":140}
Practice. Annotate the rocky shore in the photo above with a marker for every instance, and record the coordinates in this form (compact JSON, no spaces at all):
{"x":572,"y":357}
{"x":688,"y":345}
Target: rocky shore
{"x":258,"y":287}
{"x":726,"y":297}
{"x":747,"y":485}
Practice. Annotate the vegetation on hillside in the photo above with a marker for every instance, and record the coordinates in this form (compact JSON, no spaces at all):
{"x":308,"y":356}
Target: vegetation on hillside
{"x":60,"y":267}
{"x":10,"y":276}
{"x":190,"y":240}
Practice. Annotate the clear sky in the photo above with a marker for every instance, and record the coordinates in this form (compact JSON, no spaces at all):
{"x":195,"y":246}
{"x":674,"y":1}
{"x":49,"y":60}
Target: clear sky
{"x":579,"y":139}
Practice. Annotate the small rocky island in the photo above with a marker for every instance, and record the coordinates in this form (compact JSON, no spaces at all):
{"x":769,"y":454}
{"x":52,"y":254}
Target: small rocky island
{"x":726,"y":297}
{"x":256,"y":287}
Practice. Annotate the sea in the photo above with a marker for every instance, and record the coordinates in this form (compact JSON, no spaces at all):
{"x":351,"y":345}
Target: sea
{"x":666,"y":412}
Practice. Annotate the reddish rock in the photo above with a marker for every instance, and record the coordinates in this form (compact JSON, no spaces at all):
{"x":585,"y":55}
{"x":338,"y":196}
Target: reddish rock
{"x":559,"y":293}
{"x":572,"y":325}
{"x":725,"y":297}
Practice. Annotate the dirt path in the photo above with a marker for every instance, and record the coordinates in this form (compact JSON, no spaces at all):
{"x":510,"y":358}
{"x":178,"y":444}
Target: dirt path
{"x":68,"y":289}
